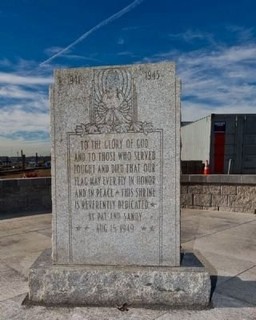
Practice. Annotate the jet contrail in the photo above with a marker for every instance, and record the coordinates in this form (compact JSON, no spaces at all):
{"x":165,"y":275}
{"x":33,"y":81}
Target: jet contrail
{"x":98,"y":26}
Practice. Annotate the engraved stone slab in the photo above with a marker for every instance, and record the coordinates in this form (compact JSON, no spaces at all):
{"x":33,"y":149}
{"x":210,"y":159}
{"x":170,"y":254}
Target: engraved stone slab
{"x":116,"y":165}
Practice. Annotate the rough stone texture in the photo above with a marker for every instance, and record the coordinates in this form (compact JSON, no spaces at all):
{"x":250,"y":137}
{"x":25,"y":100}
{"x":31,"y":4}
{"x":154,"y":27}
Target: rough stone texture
{"x":202,"y":200}
{"x":212,"y":192}
{"x":186,"y":199}
{"x":204,"y":189}
{"x":247,"y":191}
{"x":219,"y":200}
{"x":213,"y":189}
{"x":29,"y":195}
{"x":183,"y":189}
{"x":245,"y":198}
{"x":241,"y":200}
{"x":187,"y":286}
{"x":116,"y":165}
{"x":228,"y":189}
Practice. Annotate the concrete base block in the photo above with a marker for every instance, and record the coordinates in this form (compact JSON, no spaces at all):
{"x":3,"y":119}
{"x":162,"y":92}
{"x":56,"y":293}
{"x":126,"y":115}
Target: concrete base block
{"x":187,"y":286}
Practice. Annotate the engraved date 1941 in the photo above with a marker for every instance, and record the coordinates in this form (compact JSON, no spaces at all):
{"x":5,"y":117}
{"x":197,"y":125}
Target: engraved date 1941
{"x":74,"y":79}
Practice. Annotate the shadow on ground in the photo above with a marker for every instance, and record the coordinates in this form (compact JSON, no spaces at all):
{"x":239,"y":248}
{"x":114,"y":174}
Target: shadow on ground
{"x":234,"y":288}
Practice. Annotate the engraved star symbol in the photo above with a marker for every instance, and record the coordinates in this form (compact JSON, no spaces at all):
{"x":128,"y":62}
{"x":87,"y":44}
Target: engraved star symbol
{"x":143,"y":228}
{"x":117,"y":192}
{"x":153,"y":204}
{"x":86,"y":228}
{"x":152,"y":228}
{"x":78,"y":228}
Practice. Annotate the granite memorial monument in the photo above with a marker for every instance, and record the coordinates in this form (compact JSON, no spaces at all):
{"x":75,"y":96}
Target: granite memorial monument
{"x":116,"y":192}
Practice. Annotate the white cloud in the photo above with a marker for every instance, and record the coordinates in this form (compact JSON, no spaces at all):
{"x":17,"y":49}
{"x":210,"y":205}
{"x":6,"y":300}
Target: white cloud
{"x":68,"y":55}
{"x":192,"y":35}
{"x":18,"y":92}
{"x":24,"y":116}
{"x":216,"y":81}
{"x":225,"y":77}
{"x":53,"y":50}
{"x":78,"y":57}
{"x":15,"y":119}
{"x":191,"y":111}
{"x":12,"y":78}
{"x":11,"y":147}
{"x":242,"y":34}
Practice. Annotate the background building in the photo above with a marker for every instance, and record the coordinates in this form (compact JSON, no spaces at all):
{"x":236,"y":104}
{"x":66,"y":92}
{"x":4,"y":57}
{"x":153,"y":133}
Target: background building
{"x":227,"y":141}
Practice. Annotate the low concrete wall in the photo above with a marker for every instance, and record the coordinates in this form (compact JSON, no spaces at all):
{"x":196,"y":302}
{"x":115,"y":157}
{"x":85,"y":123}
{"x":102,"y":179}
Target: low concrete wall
{"x":214,"y":192}
{"x":28,"y":195}
{"x":219,"y":192}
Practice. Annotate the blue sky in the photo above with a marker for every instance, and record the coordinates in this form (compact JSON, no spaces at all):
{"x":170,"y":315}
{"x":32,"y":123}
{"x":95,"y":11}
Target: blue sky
{"x":213,"y":43}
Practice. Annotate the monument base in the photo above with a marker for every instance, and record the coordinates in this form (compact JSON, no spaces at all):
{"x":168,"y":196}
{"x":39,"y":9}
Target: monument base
{"x":187,"y":286}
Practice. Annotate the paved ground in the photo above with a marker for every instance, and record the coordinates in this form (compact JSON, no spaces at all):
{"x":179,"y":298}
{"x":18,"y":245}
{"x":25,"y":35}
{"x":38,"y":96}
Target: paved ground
{"x":225,"y":242}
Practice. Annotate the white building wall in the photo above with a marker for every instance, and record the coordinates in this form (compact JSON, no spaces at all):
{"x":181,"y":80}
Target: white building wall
{"x":196,"y":140}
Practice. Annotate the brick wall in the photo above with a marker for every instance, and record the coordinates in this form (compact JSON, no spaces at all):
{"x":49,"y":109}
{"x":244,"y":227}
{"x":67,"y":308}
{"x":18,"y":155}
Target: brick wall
{"x":235,"y":193}
{"x":28,"y":195}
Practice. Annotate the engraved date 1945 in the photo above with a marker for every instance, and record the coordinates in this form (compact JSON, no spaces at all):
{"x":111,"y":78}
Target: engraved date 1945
{"x":152,"y":75}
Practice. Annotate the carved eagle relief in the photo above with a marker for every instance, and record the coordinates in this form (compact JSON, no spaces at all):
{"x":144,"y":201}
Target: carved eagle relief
{"x":113,"y":106}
